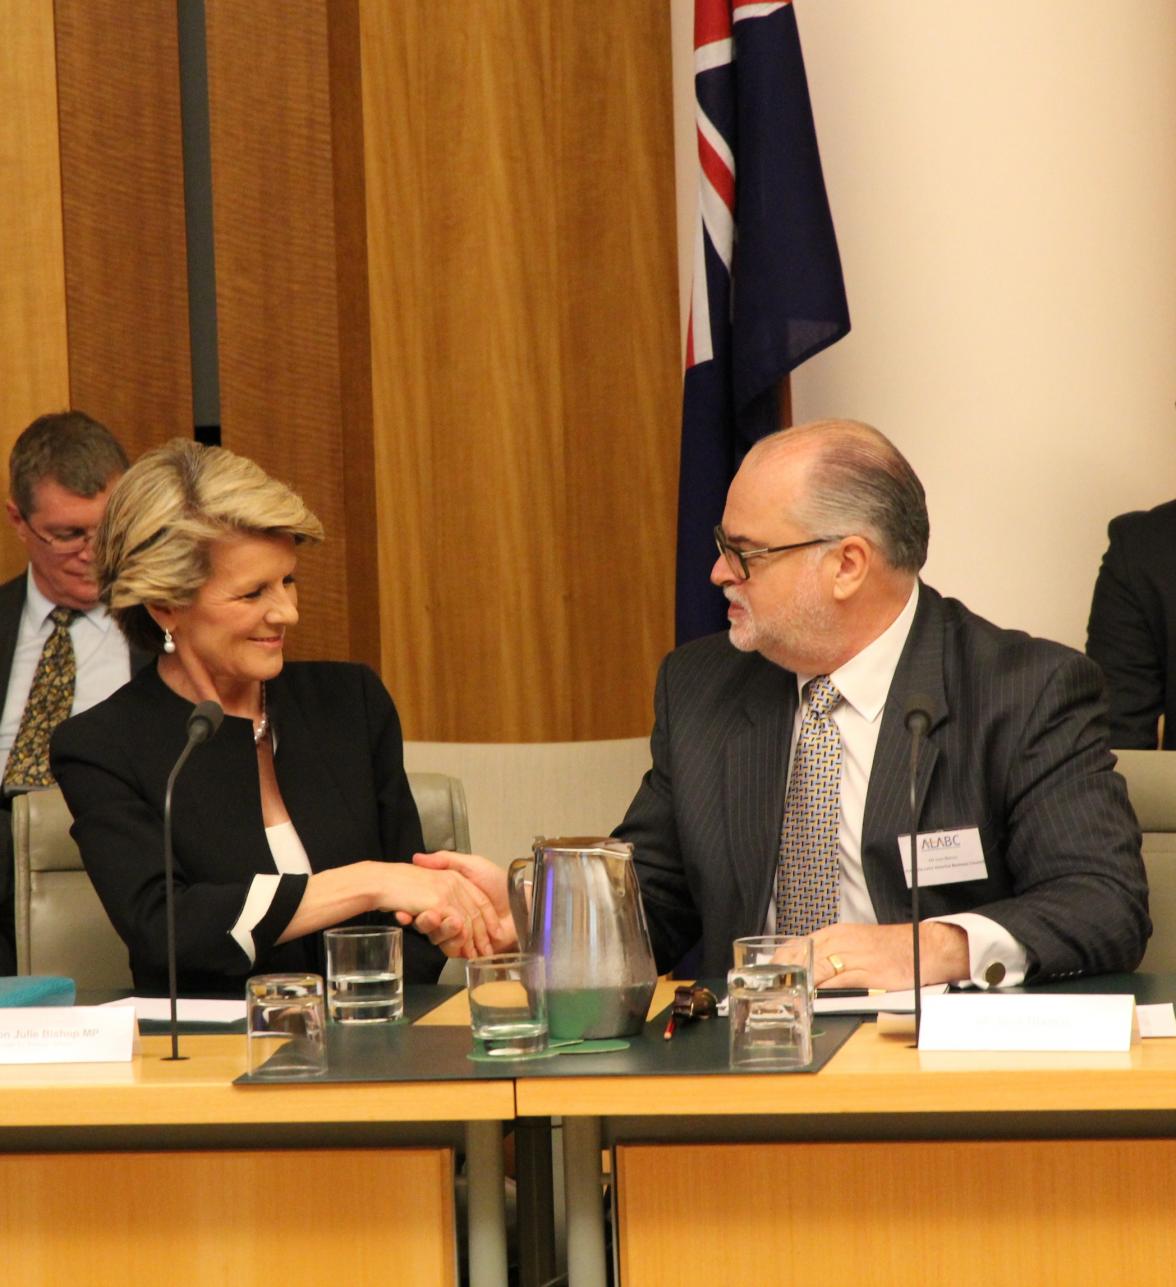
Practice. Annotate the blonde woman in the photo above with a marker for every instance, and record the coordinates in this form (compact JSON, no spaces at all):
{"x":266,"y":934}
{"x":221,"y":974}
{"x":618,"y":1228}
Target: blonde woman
{"x":297,"y":816}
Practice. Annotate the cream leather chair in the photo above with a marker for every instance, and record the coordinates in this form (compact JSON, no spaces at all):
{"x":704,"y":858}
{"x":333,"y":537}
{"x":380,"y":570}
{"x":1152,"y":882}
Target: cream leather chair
{"x":61,"y":927}
{"x":1151,"y":784}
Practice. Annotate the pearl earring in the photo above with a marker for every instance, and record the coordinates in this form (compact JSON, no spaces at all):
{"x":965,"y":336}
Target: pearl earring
{"x":169,"y":644}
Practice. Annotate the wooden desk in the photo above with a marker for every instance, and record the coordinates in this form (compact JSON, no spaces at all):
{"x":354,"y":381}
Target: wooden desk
{"x":887,"y":1166}
{"x":166,"y":1172}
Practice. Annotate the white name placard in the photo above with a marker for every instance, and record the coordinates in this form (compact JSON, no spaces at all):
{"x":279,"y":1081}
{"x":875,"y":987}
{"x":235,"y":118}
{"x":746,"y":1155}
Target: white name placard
{"x":983,"y":1021}
{"x":83,"y":1034}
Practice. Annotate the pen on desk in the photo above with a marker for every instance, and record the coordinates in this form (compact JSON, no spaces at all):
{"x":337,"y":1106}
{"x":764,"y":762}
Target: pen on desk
{"x":842,"y":993}
{"x":671,"y":1024}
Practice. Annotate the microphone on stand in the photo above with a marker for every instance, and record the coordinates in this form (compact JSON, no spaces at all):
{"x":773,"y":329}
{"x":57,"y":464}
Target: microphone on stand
{"x":203,"y":722}
{"x":917,"y":719}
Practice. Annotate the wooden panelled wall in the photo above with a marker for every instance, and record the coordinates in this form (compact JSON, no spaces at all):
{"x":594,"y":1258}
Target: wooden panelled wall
{"x":288,"y":231}
{"x":525,"y":361}
{"x":446,"y":304}
{"x":94,"y":301}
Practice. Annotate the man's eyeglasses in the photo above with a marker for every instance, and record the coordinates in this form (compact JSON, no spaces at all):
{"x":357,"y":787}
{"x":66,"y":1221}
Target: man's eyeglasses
{"x":65,"y":543}
{"x":737,"y":559}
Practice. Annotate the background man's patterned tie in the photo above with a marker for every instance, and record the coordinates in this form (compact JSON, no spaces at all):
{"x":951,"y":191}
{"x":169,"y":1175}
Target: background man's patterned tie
{"x":808,"y":885}
{"x":50,"y":701}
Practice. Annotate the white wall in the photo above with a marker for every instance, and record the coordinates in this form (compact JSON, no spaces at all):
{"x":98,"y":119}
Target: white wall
{"x":1003,"y":182}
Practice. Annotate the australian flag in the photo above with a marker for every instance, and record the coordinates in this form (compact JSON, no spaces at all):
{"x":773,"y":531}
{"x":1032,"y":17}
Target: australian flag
{"x":767,"y":287}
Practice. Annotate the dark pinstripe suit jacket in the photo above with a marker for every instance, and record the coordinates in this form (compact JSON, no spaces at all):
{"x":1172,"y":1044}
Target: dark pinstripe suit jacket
{"x":1017,"y":748}
{"x":1132,"y":630}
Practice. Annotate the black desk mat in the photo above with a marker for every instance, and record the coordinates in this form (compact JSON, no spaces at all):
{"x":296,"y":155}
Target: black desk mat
{"x":401,"y":1052}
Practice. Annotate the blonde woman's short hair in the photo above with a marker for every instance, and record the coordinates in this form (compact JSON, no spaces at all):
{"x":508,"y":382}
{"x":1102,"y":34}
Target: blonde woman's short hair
{"x":164,"y":515}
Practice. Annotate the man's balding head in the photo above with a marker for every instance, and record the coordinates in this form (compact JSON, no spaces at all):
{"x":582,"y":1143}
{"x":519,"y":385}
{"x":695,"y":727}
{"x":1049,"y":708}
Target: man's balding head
{"x":856,"y":480}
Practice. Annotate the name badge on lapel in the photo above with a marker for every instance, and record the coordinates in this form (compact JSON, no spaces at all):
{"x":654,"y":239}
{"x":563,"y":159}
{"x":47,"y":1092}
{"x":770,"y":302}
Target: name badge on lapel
{"x":945,"y":857}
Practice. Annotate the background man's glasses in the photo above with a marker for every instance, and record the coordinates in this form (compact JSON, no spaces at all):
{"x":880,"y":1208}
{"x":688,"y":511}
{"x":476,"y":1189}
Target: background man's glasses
{"x":65,"y":543}
{"x":737,"y":559}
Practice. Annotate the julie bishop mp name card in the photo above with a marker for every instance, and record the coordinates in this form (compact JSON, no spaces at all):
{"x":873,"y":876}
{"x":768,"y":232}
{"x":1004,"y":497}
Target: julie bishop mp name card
{"x":82,"y":1034}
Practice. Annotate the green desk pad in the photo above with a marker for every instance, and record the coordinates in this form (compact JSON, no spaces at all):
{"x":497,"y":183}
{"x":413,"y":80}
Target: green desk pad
{"x":401,"y":1052}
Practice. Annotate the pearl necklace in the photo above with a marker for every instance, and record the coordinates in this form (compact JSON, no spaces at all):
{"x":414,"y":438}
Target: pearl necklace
{"x":261,"y":728}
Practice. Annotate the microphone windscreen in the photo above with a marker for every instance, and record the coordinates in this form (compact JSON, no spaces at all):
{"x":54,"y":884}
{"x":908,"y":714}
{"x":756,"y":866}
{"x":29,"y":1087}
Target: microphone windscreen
{"x":205,"y":719}
{"x":917,"y":716}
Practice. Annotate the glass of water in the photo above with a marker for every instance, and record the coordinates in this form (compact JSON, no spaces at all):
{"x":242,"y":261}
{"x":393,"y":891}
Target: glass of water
{"x":365,"y":973}
{"x":768,"y":1010}
{"x":286,"y":1026}
{"x":779,"y":949}
{"x":508,"y":1004}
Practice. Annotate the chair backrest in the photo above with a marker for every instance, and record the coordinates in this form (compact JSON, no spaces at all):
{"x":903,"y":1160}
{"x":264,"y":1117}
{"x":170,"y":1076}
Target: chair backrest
{"x":441,"y":802}
{"x":1151,"y":784}
{"x":62,"y":928}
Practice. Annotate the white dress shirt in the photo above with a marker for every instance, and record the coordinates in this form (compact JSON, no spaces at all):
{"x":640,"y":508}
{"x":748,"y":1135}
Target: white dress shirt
{"x":864,"y":684}
{"x":100,"y":651}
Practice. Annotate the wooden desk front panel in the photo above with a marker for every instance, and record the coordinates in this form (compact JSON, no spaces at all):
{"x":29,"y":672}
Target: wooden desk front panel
{"x":259,"y":1217}
{"x":1067,"y":1212}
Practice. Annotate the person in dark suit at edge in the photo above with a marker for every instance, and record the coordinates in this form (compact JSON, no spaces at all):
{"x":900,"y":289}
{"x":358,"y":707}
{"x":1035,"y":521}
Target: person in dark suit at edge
{"x":60,"y":473}
{"x":1132,"y":628}
{"x":831,"y":631}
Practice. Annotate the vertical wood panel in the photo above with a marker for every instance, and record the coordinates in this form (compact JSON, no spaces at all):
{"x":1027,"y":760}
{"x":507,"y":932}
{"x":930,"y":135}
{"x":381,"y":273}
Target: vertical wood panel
{"x":247,"y":1218}
{"x":34,"y":362}
{"x":292,"y":321}
{"x":899,"y":1215}
{"x":524,"y":358}
{"x":123,"y":204}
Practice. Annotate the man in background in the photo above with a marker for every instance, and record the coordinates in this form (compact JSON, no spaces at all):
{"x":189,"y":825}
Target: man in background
{"x":1132,"y":629}
{"x":60,"y":652}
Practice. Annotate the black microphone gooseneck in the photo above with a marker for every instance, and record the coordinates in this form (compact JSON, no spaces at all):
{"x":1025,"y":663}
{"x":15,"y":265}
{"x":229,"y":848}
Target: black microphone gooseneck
{"x":918,"y":721}
{"x":202,"y":724}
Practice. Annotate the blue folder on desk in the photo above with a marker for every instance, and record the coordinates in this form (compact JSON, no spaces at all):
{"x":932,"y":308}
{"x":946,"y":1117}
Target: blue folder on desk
{"x":36,"y":989}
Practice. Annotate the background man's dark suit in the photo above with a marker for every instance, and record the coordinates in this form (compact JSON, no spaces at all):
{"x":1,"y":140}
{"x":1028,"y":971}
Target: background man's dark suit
{"x":1132,"y":630}
{"x":1017,"y":748}
{"x":12,"y":601}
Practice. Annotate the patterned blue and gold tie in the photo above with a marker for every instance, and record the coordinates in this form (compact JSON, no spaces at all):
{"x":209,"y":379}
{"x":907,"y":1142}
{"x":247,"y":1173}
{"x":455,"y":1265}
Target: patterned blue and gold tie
{"x":808,"y":884}
{"x":50,"y":701}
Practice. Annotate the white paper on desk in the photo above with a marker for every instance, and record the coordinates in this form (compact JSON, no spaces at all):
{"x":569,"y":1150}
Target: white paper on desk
{"x":188,"y":1010}
{"x":1048,"y":1021}
{"x":890,"y":1002}
{"x":1156,"y":1020}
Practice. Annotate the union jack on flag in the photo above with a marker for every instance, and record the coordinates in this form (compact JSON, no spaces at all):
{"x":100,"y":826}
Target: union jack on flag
{"x":767,"y":288}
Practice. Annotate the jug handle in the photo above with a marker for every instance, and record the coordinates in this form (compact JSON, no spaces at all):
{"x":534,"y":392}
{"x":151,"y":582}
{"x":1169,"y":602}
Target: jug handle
{"x":518,"y":888}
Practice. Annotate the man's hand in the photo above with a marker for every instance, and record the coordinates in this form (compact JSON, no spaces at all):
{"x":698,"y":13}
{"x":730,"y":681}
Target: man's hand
{"x":881,"y":956}
{"x":445,"y":898}
{"x":451,"y":935}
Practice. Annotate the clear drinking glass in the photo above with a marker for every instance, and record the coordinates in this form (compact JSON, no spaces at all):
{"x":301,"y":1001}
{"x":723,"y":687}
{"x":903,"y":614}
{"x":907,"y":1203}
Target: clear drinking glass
{"x":779,"y":949}
{"x":508,"y":1006}
{"x":286,"y":1025}
{"x":365,"y":973}
{"x":768,"y":1010}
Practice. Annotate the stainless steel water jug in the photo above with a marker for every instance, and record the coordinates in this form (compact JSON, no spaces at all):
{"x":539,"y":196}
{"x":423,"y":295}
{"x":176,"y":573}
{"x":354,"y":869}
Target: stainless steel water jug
{"x":587,"y":921}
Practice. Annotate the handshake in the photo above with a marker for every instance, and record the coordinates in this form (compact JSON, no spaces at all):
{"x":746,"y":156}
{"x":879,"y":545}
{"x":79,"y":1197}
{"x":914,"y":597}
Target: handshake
{"x":458,"y":901}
